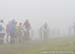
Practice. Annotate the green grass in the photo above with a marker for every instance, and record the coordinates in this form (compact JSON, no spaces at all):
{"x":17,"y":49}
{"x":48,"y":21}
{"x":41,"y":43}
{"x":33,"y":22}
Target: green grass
{"x":55,"y":46}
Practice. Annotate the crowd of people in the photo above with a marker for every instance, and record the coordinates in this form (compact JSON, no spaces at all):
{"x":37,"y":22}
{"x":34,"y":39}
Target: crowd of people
{"x":19,"y":33}
{"x":13,"y":33}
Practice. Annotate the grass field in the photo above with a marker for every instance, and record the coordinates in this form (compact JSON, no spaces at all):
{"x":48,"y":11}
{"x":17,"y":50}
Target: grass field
{"x":64,"y":45}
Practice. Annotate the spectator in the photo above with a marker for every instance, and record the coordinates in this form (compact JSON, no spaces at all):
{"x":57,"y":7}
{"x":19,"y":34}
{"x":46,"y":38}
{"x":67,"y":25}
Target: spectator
{"x":27,"y":28}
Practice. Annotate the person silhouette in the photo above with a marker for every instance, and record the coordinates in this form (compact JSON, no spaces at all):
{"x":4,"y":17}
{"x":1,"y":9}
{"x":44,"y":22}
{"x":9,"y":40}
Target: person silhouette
{"x":2,"y":32}
{"x":27,"y":28}
{"x":19,"y":33}
{"x":44,"y":32}
{"x":11,"y":31}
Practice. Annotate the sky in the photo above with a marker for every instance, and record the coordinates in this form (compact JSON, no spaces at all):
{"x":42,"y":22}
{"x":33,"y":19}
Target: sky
{"x":59,"y":14}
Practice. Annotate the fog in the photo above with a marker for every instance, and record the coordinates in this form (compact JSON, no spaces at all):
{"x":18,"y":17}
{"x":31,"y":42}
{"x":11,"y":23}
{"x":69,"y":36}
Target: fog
{"x":37,"y":26}
{"x":59,"y":14}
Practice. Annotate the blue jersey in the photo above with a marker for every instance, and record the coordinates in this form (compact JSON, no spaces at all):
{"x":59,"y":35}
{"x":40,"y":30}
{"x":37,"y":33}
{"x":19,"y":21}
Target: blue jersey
{"x":12,"y":27}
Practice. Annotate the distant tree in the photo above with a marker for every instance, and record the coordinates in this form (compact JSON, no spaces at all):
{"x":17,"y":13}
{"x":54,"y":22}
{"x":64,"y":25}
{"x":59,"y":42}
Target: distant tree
{"x":70,"y":31}
{"x":41,"y":32}
{"x":58,"y":32}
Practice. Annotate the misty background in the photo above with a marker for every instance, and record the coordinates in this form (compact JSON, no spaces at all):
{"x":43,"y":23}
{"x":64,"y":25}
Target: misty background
{"x":59,"y":14}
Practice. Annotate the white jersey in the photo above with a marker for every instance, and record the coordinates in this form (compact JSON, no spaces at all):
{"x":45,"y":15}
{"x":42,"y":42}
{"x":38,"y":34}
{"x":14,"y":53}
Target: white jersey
{"x":4,"y":28}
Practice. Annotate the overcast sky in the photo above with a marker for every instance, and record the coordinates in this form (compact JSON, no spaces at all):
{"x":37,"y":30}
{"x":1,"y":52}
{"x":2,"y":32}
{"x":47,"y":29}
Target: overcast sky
{"x":58,"y":13}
